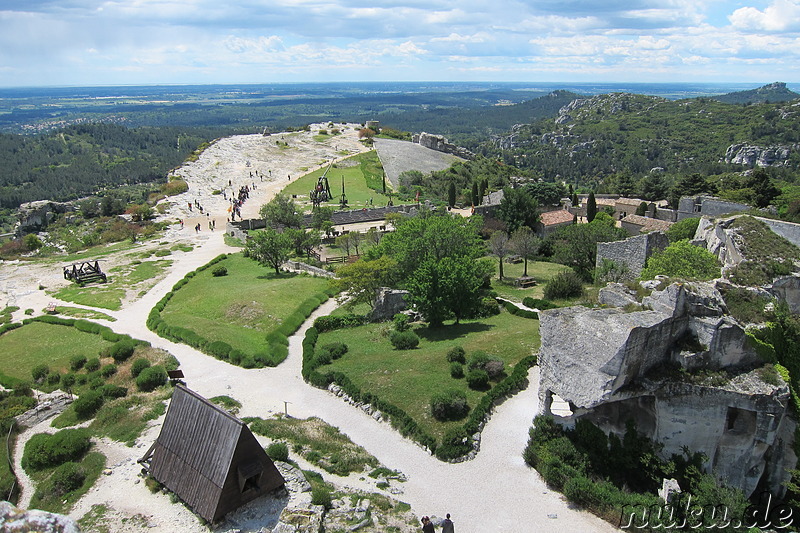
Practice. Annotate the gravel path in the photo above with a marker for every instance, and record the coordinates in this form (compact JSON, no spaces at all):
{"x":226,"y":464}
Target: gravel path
{"x":495,"y":492}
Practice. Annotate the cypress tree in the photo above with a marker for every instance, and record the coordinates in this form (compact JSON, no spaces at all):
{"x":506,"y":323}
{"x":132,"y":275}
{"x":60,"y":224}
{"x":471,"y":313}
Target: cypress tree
{"x":475,"y":199}
{"x":591,"y":208}
{"x":451,"y":194}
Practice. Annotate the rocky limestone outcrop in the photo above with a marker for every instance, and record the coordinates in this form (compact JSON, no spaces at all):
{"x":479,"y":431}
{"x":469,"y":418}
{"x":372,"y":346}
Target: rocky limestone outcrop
{"x":441,"y":144}
{"x":15,"y":520}
{"x":388,"y":302}
{"x":759,"y":156}
{"x":35,"y":216}
{"x":611,"y":366}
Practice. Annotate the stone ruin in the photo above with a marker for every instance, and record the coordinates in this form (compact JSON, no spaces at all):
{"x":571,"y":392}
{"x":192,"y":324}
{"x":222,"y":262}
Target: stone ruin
{"x":388,"y":302}
{"x":633,"y":252}
{"x":440,"y":144}
{"x":614,"y":364}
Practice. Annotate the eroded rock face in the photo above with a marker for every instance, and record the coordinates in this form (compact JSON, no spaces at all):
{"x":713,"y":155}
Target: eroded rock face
{"x":611,"y":366}
{"x":388,"y":303}
{"x":440,"y":144}
{"x":15,"y":520}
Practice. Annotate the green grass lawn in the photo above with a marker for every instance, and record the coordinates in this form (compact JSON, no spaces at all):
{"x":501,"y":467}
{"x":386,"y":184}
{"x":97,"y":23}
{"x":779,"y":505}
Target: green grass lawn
{"x":541,"y":271}
{"x":241,"y":307}
{"x":409,"y":378}
{"x":39,"y":343}
{"x":80,"y":312}
{"x":139,"y":275}
{"x":357,"y":171}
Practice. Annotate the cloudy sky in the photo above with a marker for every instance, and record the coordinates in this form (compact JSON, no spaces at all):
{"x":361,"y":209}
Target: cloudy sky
{"x":98,"y":42}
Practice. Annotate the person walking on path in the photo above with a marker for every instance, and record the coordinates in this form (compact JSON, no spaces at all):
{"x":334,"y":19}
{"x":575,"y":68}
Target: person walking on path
{"x":427,"y":525}
{"x":447,"y":525}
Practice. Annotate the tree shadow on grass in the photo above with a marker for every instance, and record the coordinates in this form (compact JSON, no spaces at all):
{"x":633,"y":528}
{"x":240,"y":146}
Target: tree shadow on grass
{"x":453,"y":331}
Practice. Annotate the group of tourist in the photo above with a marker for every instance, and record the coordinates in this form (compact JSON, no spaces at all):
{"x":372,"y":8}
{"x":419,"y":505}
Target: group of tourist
{"x":447,"y":525}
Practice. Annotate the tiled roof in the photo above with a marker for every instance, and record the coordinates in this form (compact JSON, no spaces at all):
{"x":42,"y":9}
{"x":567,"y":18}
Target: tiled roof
{"x":560,"y":216}
{"x":647,"y":224}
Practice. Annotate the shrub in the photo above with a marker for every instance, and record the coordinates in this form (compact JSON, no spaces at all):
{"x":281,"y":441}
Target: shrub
{"x":53,"y":379}
{"x":682,"y":260}
{"x":683,"y":229}
{"x":64,"y":479}
{"x":77,"y":362}
{"x":487,"y":307}
{"x":478,"y":360}
{"x":565,"y":284}
{"x":478,"y":379}
{"x":88,"y":404}
{"x":113,"y":391}
{"x":219,"y":271}
{"x":495,"y":368}
{"x":456,"y":355}
{"x":43,"y":450}
{"x":108,"y":370}
{"x":331,"y":322}
{"x":92,"y":364}
{"x":456,"y":370}
{"x":39,"y":372}
{"x":536,"y":303}
{"x":449,"y":405}
{"x":404,"y":340}
{"x":278,"y":451}
{"x":401,"y":322}
{"x":321,"y":496}
{"x":455,"y":443}
{"x":151,"y":378}
{"x":139,"y":365}
{"x":68,"y":380}
{"x":336,"y":349}
{"x":122,"y":350}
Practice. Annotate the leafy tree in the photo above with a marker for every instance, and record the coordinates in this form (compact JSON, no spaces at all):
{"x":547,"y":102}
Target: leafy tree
{"x":576,"y":245}
{"x":764,"y":191}
{"x":591,"y":207}
{"x":654,"y":187}
{"x":524,"y":243}
{"x":545,"y":193}
{"x":362,"y":279}
{"x":374,"y":236}
{"x":642,"y":209}
{"x":682,"y":260}
{"x":343,"y":242}
{"x":281,"y":211}
{"x":499,"y":246}
{"x":683,"y":229}
{"x":517,"y":208}
{"x":689,"y":185}
{"x":321,"y":219}
{"x":303,"y":241}
{"x":270,"y":248}
{"x":624,"y":184}
{"x":575,"y":201}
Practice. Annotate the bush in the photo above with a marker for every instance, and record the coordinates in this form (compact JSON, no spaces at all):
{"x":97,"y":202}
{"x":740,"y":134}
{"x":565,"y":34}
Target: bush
{"x":139,"y":365}
{"x":404,"y":340}
{"x":53,"y":379}
{"x":536,"y":303}
{"x":456,"y":370}
{"x":478,"y":379}
{"x":151,"y":378}
{"x":39,"y":372}
{"x":44,"y":450}
{"x":67,"y":380}
{"x":683,"y":229}
{"x":88,"y":404}
{"x":684,"y":260}
{"x":401,"y":322}
{"x":321,"y":496}
{"x":331,"y":322}
{"x":219,"y":271}
{"x":565,"y":284}
{"x":456,"y":355}
{"x":113,"y":391}
{"x":108,"y":370}
{"x":92,"y":364}
{"x":278,"y":451}
{"x":77,"y":362}
{"x":64,"y":479}
{"x":455,"y":443}
{"x":478,"y":360}
{"x":336,"y":349}
{"x":495,"y":368}
{"x":122,"y":350}
{"x":449,"y":405}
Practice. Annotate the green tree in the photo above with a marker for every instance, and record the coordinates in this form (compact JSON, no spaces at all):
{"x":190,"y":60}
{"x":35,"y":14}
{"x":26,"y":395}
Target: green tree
{"x":524,"y":243}
{"x":281,"y":211}
{"x":362,"y":279}
{"x":689,"y":185}
{"x":517,"y":208}
{"x":476,"y":200}
{"x":682,"y":260}
{"x":576,"y":245}
{"x":321,"y":219}
{"x":624,"y":184}
{"x":545,"y":193}
{"x":499,"y":246}
{"x":683,"y":229}
{"x":269,"y":248}
{"x":654,"y":187}
{"x":642,"y":209}
{"x":591,"y":207}
{"x":451,"y":194}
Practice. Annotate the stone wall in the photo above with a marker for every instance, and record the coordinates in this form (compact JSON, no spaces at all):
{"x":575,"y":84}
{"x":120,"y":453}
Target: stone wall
{"x":632,"y":252}
{"x":440,"y":144}
{"x":788,"y":230}
{"x":311,"y":269}
{"x":696,"y":206}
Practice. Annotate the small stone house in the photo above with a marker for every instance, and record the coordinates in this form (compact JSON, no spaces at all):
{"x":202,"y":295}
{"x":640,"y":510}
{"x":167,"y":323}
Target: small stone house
{"x":552,"y":220}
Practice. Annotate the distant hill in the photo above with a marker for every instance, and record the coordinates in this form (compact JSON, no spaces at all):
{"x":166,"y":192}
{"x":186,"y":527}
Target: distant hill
{"x":772,"y":93}
{"x":470,"y":126}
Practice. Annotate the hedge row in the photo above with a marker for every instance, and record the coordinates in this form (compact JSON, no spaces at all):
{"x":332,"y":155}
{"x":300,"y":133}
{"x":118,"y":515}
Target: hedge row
{"x":523,"y":313}
{"x":331,"y":322}
{"x":86,"y":326}
{"x":455,"y":443}
{"x":537,"y":303}
{"x":277,"y":341}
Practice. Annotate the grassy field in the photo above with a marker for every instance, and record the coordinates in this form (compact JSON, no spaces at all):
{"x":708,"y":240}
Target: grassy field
{"x":541,"y":271}
{"x":136,"y":275}
{"x":38,"y":343}
{"x":357,"y":171}
{"x":241,"y":307}
{"x":408,"y":379}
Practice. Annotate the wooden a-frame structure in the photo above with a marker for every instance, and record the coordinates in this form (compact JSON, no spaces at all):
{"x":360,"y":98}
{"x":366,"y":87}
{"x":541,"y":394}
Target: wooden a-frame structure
{"x":209,"y":458}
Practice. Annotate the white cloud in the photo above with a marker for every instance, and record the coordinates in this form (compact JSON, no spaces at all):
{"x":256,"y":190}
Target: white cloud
{"x":781,"y":15}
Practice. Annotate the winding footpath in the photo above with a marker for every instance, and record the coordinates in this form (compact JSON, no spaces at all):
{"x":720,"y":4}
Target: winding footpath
{"x":495,"y":492}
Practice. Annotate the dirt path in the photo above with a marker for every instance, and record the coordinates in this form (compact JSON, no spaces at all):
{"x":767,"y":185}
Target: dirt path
{"x":494,"y":492}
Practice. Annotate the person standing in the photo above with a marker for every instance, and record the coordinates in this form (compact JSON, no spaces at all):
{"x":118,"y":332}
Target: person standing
{"x":427,"y":525}
{"x":447,"y":525}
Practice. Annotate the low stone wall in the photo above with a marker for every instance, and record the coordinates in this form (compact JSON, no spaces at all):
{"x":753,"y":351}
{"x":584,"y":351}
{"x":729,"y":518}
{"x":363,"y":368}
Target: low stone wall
{"x":632,"y":252}
{"x":303,"y":267}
